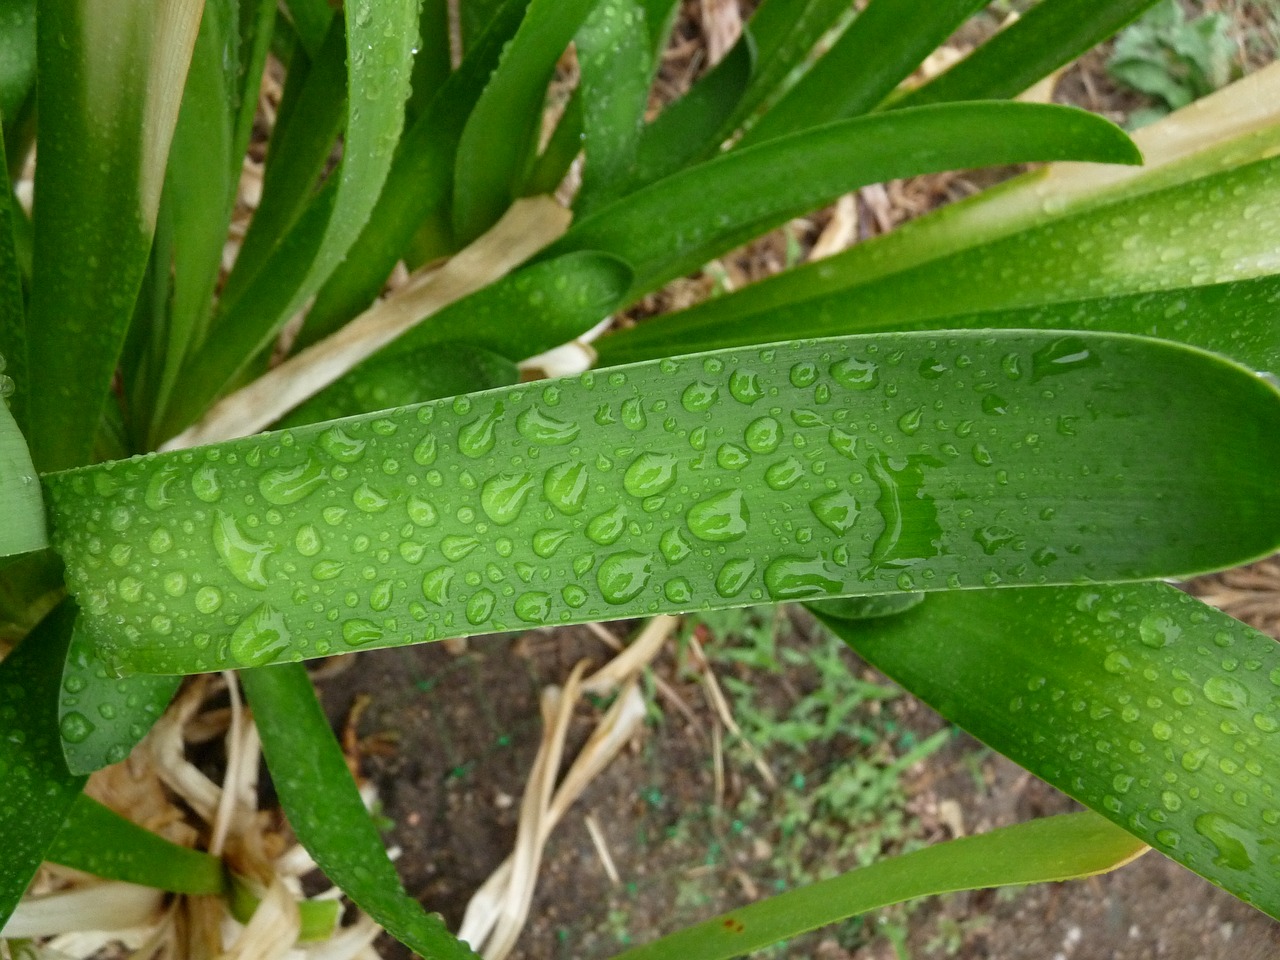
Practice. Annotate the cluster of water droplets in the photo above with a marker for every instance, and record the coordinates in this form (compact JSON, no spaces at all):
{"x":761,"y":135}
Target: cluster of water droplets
{"x":733,"y":478}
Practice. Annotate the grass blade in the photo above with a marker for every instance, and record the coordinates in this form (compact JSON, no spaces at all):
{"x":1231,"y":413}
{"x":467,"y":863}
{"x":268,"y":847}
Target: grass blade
{"x":1049,"y":35}
{"x":101,"y":842}
{"x":676,"y":225}
{"x":38,"y":789}
{"x":1141,"y":702}
{"x":884,"y":44}
{"x":112,"y":79}
{"x":326,"y":812}
{"x":1055,"y":848}
{"x":853,"y":466}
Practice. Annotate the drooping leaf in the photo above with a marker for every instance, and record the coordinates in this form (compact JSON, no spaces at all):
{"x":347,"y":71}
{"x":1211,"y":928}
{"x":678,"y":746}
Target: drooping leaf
{"x":111,"y":79}
{"x":885,"y":43}
{"x":851,"y":466}
{"x":500,"y":136}
{"x":38,"y":789}
{"x":326,"y":812}
{"x":1160,"y":713}
{"x":1055,"y":848}
{"x":674,"y":226}
{"x":102,"y":717}
{"x":1049,"y":35}
{"x":101,"y":842}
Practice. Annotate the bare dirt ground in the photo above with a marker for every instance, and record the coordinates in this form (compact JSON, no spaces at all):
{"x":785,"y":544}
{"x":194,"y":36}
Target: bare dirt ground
{"x":684,"y":824}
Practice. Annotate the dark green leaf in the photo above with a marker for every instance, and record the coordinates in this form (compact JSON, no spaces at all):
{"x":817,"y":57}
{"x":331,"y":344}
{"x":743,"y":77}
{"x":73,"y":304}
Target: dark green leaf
{"x":1157,"y":711}
{"x":852,"y":466}
{"x":311,"y":21}
{"x":13,"y":319}
{"x":326,"y":812}
{"x":101,"y":842}
{"x":17,"y":56}
{"x":885,"y":43}
{"x":673,"y":227}
{"x":38,"y":790}
{"x":433,"y":62}
{"x":1055,"y":848}
{"x":1049,"y":35}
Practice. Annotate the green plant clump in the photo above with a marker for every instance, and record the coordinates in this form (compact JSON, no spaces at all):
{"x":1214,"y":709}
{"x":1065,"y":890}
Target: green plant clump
{"x":978,"y":445}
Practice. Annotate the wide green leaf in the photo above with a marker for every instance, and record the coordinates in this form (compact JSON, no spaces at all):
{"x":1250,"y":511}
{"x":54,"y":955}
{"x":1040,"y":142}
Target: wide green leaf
{"x":674,"y":226}
{"x":886,"y":42}
{"x":850,"y":466}
{"x":1157,"y":711}
{"x":22,"y":527}
{"x":325,"y":810}
{"x":111,"y":78}
{"x":101,"y":842}
{"x":1055,"y":848}
{"x":380,"y":37}
{"x":1049,"y":35}
{"x":38,"y":789}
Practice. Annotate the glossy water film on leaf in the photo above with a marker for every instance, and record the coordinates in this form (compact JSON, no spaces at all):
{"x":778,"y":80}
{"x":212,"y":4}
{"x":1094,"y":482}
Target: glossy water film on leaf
{"x":852,"y":466}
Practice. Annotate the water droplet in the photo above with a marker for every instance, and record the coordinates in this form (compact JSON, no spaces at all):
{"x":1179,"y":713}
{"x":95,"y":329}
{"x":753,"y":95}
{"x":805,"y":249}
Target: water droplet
{"x":477,"y":438}
{"x":573,"y":595}
{"x":854,"y":374}
{"x":784,"y":474}
{"x":381,"y":595}
{"x":699,"y":396}
{"x":763,"y":435}
{"x":1232,"y":841}
{"x":435,"y":585}
{"x":341,"y":446}
{"x":206,"y":485}
{"x":208,"y":599}
{"x":734,"y":576}
{"x":75,"y":727}
{"x":721,"y":518}
{"x":993,"y":537}
{"x":1161,"y":731}
{"x":536,"y":426}
{"x":175,"y":583}
{"x":480,"y":606}
{"x":650,"y":474}
{"x":260,"y":637}
{"x":455,"y":547}
{"x":424,"y":454}
{"x":931,"y":368}
{"x":246,"y":559}
{"x":622,"y":576}
{"x":1062,"y":356}
{"x":1169,"y":839}
{"x":503,"y":496}
{"x":327,"y":570}
{"x":836,"y":511}
{"x":547,"y":542}
{"x":565,"y":487}
{"x":730,"y":456}
{"x":803,"y":374}
{"x":982,"y":456}
{"x":606,"y":528}
{"x":422,"y":513}
{"x":791,"y":578}
{"x":1226,"y":692}
{"x":160,"y":493}
{"x":285,"y":485}
{"x":674,"y":546}
{"x":533,"y":607}
{"x":358,"y":632}
{"x":1158,"y":630}
{"x":911,"y":528}
{"x":160,"y":541}
{"x":307,"y":540}
{"x":744,"y":386}
{"x":369,"y":500}
{"x":1117,"y":663}
{"x":633,"y":417}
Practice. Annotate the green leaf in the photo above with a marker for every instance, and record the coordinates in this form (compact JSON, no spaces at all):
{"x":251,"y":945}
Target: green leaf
{"x":111,"y":81}
{"x":326,"y":812}
{"x":38,"y":788}
{"x":311,"y":20}
{"x":1155,"y":710}
{"x":501,"y":134}
{"x":102,"y":717}
{"x":380,"y":35}
{"x":884,"y":44}
{"x":21,"y":506}
{"x":1040,"y":851}
{"x":616,"y":65}
{"x":101,"y":842}
{"x":30,"y":586}
{"x":1169,"y":239}
{"x":403,"y":377}
{"x":13,"y":319}
{"x":852,"y":466}
{"x":17,"y":56}
{"x":433,"y":62}
{"x":317,"y":919}
{"x":672,"y":227}
{"x":1049,"y":35}
{"x":416,"y":196}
